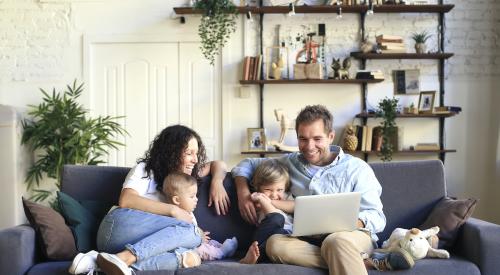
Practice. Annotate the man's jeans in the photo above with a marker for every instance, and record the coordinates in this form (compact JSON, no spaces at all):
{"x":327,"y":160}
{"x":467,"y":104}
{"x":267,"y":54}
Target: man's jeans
{"x":157,"y":241}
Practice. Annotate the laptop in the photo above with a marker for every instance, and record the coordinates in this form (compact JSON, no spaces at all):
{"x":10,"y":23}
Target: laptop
{"x":328,"y":213}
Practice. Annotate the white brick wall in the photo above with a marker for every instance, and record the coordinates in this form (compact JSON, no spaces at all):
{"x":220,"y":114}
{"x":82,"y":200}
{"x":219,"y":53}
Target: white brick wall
{"x":33,"y":38}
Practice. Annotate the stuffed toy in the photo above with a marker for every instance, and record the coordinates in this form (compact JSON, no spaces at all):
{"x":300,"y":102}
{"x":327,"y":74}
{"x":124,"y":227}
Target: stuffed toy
{"x":419,"y":243}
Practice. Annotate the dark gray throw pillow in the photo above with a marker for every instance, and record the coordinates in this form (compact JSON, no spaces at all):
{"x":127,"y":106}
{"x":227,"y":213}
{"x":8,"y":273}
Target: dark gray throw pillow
{"x":449,"y":214}
{"x":54,"y":236}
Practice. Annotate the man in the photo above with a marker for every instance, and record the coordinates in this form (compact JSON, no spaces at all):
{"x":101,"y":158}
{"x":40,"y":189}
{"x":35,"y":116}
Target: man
{"x":320,"y":168}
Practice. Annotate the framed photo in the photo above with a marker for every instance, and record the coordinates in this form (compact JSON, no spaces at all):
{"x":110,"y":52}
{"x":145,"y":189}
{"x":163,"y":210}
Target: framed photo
{"x":256,"y":139}
{"x":406,"y":82}
{"x":426,"y":102}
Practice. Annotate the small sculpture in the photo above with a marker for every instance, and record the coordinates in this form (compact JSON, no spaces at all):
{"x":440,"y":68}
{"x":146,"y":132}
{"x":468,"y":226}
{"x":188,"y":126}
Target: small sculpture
{"x":350,"y":140}
{"x":366,"y":46}
{"x":278,"y":68}
{"x":341,"y":72}
{"x":285,"y":125}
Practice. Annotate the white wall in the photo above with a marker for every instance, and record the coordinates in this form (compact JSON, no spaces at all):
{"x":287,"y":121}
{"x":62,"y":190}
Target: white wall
{"x":41,"y":46}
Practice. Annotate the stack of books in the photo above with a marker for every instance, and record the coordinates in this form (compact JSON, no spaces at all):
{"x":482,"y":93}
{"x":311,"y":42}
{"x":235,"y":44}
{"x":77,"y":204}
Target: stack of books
{"x":369,"y":74}
{"x":390,"y":43}
{"x":251,"y":67}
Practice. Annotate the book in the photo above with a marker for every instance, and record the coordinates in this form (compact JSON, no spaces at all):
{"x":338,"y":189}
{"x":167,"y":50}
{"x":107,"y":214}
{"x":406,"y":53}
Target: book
{"x":394,"y":51}
{"x":392,"y":47}
{"x":369,"y":137}
{"x":364,"y":136}
{"x":251,"y":68}
{"x":246,"y":67}
{"x":391,"y":44}
{"x":426,"y":146}
{"x":384,"y":38}
{"x":259,"y":67}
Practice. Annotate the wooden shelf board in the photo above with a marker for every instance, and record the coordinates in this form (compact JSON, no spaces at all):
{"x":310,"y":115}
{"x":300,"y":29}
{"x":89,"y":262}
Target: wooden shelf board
{"x":365,"y":115}
{"x":310,"y":81}
{"x":331,"y":9}
{"x":410,"y":152}
{"x":264,"y":152}
{"x":360,"y":55}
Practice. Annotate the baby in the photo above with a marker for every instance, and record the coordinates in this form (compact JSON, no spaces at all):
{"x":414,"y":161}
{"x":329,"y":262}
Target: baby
{"x":180,"y":189}
{"x":274,"y":204}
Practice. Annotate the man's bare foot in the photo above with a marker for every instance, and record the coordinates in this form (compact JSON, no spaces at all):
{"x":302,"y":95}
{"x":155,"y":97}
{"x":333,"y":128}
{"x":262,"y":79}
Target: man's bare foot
{"x":252,"y":255}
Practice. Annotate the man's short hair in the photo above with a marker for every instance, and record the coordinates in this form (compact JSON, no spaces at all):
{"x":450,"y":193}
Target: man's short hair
{"x":175,"y":183}
{"x":312,"y":113}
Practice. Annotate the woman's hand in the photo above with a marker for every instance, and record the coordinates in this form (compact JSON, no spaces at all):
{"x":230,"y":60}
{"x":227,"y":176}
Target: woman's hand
{"x":181,"y":214}
{"x":205,"y":237}
{"x":218,"y":196}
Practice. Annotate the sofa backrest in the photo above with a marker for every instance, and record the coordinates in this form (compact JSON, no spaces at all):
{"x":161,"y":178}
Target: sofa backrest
{"x":104,"y":183}
{"x":409,"y":192}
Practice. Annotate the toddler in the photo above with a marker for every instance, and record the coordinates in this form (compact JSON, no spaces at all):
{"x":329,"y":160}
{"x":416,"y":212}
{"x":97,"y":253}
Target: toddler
{"x":180,"y":189}
{"x":271,"y":182}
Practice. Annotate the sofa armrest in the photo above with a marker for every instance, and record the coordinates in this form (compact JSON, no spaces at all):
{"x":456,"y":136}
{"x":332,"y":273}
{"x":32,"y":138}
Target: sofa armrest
{"x":17,"y":247}
{"x":479,"y":242}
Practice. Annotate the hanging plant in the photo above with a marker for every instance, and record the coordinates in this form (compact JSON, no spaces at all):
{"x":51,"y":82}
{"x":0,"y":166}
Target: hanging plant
{"x":388,"y":111}
{"x":63,"y":134}
{"x":217,"y":23}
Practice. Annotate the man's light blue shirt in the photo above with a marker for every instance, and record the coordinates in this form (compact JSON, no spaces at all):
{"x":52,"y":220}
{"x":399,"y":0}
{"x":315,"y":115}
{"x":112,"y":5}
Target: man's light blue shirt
{"x":345,"y":174}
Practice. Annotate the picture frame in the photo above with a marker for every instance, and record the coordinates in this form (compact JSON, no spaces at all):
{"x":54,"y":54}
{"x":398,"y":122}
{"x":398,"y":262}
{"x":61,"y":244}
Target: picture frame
{"x":276,"y":55}
{"x":426,"y":102}
{"x":406,"y":82}
{"x":256,"y":139}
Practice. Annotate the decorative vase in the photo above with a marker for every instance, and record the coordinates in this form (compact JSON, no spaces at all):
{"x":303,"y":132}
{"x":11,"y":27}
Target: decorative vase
{"x":420,"y":47}
{"x":366,"y":47}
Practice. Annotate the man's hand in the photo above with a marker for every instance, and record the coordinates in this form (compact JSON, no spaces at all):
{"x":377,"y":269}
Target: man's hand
{"x":218,"y":196}
{"x":247,"y":209}
{"x":181,"y":214}
{"x":360,"y":224}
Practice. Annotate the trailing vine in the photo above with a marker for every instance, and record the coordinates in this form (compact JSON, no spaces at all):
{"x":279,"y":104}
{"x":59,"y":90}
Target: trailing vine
{"x":388,"y":111}
{"x":217,"y":24}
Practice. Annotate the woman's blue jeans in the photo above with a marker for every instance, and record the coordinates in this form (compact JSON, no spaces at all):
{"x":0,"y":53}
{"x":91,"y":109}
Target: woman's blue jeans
{"x":157,"y":241}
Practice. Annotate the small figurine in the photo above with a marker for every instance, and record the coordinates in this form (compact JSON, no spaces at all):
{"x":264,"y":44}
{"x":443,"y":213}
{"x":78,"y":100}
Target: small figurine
{"x":341,"y":72}
{"x":278,"y":68}
{"x":350,"y":140}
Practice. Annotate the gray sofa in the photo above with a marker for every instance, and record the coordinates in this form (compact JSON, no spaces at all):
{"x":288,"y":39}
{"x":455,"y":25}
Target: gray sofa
{"x":410,"y":191}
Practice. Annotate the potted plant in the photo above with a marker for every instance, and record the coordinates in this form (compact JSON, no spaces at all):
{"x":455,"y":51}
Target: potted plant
{"x":420,"y":39}
{"x":388,"y":111}
{"x":411,"y":109}
{"x":217,"y":23}
{"x":61,"y":133}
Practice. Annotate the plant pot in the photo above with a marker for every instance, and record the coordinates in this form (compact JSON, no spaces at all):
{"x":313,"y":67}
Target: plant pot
{"x":420,"y":47}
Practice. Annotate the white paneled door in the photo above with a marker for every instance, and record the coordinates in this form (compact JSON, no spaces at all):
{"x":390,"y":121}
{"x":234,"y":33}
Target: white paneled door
{"x":153,"y":85}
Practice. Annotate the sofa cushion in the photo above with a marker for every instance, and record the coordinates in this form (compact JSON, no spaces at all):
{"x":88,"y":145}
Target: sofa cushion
{"x":222,"y":227}
{"x":449,"y":214}
{"x":453,"y":265}
{"x":83,"y":217}
{"x":54,"y":236}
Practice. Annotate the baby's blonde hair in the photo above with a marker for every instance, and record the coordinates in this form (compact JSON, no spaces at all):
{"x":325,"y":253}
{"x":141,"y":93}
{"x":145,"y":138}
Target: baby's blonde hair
{"x":175,"y":183}
{"x":269,"y":172}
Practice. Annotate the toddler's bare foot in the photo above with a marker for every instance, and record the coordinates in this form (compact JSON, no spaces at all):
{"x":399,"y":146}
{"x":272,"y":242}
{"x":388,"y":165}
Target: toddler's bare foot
{"x":190,"y":259}
{"x":252,"y":255}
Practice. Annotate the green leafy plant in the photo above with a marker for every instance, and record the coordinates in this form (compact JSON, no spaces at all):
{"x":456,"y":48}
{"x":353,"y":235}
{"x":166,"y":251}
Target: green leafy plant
{"x":388,"y":111}
{"x":420,"y":37}
{"x":61,"y":133}
{"x":217,"y":24}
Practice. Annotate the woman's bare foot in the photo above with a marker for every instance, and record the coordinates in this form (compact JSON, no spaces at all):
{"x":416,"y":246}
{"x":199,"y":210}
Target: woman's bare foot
{"x":190,"y":259}
{"x":252,"y":255}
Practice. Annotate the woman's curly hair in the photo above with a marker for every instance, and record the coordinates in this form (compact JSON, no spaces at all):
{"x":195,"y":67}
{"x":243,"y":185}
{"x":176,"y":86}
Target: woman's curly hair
{"x":166,"y":151}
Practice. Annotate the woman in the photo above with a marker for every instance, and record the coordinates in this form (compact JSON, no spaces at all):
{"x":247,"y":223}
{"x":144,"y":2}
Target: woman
{"x":144,"y":231}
